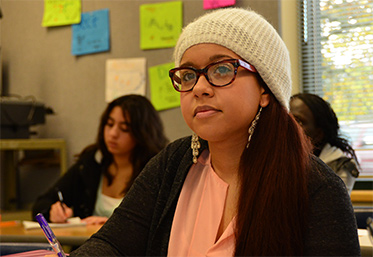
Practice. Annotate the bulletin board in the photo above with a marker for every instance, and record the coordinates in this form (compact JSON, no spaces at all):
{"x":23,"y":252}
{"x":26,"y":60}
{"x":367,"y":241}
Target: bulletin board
{"x":37,"y":61}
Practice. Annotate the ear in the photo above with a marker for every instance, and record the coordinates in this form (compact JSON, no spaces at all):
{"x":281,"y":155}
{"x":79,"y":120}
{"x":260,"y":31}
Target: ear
{"x":264,"y":99}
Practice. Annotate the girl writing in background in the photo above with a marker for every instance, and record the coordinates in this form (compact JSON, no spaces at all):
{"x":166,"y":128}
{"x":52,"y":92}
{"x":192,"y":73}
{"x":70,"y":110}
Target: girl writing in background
{"x":130,"y":133}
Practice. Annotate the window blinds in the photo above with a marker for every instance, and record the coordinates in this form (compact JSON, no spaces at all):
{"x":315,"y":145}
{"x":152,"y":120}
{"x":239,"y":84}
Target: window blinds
{"x":336,"y":39}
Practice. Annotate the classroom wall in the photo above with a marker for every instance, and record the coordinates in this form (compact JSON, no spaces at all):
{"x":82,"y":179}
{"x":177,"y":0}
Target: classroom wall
{"x":37,"y":61}
{"x":289,"y":33}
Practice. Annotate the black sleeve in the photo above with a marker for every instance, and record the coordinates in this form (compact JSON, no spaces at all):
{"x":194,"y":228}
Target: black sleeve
{"x":126,"y":233}
{"x":65,"y":184}
{"x":332,"y":229}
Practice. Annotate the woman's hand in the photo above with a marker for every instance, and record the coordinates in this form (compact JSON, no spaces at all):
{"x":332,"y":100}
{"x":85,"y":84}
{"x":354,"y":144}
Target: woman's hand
{"x":54,"y":255}
{"x":95,"y":220}
{"x":57,"y":214}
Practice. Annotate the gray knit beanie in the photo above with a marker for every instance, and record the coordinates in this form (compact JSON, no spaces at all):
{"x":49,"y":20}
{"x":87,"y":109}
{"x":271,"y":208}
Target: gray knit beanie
{"x":251,"y":37}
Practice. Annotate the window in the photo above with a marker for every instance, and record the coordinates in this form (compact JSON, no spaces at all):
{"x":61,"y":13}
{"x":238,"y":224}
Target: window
{"x":337,"y":64}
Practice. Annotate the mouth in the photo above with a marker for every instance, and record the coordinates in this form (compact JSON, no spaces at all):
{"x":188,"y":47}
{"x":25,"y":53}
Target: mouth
{"x":111,"y":144}
{"x":205,"y":110}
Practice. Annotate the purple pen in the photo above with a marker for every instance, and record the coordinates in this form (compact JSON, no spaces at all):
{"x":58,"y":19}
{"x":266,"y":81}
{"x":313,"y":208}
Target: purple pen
{"x":52,"y":239}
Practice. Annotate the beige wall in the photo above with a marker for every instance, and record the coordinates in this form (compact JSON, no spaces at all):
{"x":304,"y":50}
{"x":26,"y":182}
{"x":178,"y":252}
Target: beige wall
{"x":289,"y":32}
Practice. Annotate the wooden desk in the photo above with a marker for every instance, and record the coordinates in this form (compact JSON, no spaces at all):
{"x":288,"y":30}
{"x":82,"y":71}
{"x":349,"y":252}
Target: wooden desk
{"x":72,"y":236}
{"x":76,"y":236}
{"x":10,"y":148}
{"x":362,"y":197}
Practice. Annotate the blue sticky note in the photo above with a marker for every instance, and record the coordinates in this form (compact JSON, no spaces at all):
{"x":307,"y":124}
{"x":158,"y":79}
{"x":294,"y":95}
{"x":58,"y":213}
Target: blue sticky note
{"x":92,"y":34}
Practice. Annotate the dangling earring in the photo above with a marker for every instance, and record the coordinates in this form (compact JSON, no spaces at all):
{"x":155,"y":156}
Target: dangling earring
{"x":252,"y":127}
{"x":195,"y":146}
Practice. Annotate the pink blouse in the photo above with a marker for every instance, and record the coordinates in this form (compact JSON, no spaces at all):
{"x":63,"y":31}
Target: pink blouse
{"x":198,"y":214}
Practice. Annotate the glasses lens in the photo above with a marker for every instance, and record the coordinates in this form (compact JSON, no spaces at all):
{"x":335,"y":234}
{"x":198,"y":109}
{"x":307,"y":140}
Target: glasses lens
{"x":221,"y":74}
{"x":184,"y":79}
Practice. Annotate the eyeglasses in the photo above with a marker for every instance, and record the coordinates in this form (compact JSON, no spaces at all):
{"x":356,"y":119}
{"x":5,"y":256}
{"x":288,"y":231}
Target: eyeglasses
{"x":218,"y":74}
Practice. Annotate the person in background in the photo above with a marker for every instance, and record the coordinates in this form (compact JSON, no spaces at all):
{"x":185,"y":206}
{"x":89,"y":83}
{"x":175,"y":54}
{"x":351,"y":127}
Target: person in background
{"x":320,"y":123}
{"x":246,"y":183}
{"x":130,"y":133}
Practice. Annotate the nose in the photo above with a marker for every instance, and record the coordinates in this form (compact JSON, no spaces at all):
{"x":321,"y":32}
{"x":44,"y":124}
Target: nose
{"x":114,"y":131}
{"x":203,"y":87}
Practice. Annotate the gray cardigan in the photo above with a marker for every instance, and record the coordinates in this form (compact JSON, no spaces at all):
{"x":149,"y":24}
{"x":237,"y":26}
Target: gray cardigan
{"x":141,"y":225}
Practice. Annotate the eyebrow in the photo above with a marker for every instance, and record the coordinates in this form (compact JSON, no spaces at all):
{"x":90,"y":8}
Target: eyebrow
{"x":123,"y":122}
{"x":213,"y":58}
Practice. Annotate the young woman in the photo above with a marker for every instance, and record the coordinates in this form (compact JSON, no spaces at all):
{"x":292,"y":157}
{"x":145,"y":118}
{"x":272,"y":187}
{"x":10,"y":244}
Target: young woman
{"x":129,"y":134}
{"x":320,"y":123}
{"x":245,"y":184}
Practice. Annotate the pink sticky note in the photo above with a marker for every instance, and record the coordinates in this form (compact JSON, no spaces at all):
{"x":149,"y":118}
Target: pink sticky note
{"x":213,"y":4}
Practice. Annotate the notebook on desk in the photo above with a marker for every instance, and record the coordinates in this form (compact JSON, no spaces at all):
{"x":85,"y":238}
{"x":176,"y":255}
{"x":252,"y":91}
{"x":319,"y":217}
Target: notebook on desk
{"x":71,"y":222}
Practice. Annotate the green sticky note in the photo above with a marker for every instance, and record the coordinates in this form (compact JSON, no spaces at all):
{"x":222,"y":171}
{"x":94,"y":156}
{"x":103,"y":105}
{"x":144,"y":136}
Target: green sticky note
{"x":160,"y":24}
{"x":61,"y":12}
{"x":163,"y":94}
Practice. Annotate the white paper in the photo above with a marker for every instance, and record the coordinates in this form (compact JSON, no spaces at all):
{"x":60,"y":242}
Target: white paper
{"x":71,"y":222}
{"x":124,"y":77}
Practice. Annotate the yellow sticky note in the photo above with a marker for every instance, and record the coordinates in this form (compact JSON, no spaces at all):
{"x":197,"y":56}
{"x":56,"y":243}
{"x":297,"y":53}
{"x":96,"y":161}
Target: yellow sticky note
{"x":163,"y":94}
{"x":61,"y":12}
{"x":160,"y":24}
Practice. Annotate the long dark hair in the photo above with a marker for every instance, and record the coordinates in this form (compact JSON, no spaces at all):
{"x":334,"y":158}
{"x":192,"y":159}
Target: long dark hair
{"x":327,"y":121}
{"x":146,"y":127}
{"x":273,"y":202}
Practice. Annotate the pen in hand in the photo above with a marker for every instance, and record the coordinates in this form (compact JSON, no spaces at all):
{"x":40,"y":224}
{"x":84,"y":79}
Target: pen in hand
{"x":60,"y":197}
{"x":52,"y":239}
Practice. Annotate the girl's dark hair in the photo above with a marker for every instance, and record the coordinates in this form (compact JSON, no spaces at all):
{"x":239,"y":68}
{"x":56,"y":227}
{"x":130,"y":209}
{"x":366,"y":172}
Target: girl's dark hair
{"x":145,"y":126}
{"x":273,"y":202}
{"x":327,"y":121}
